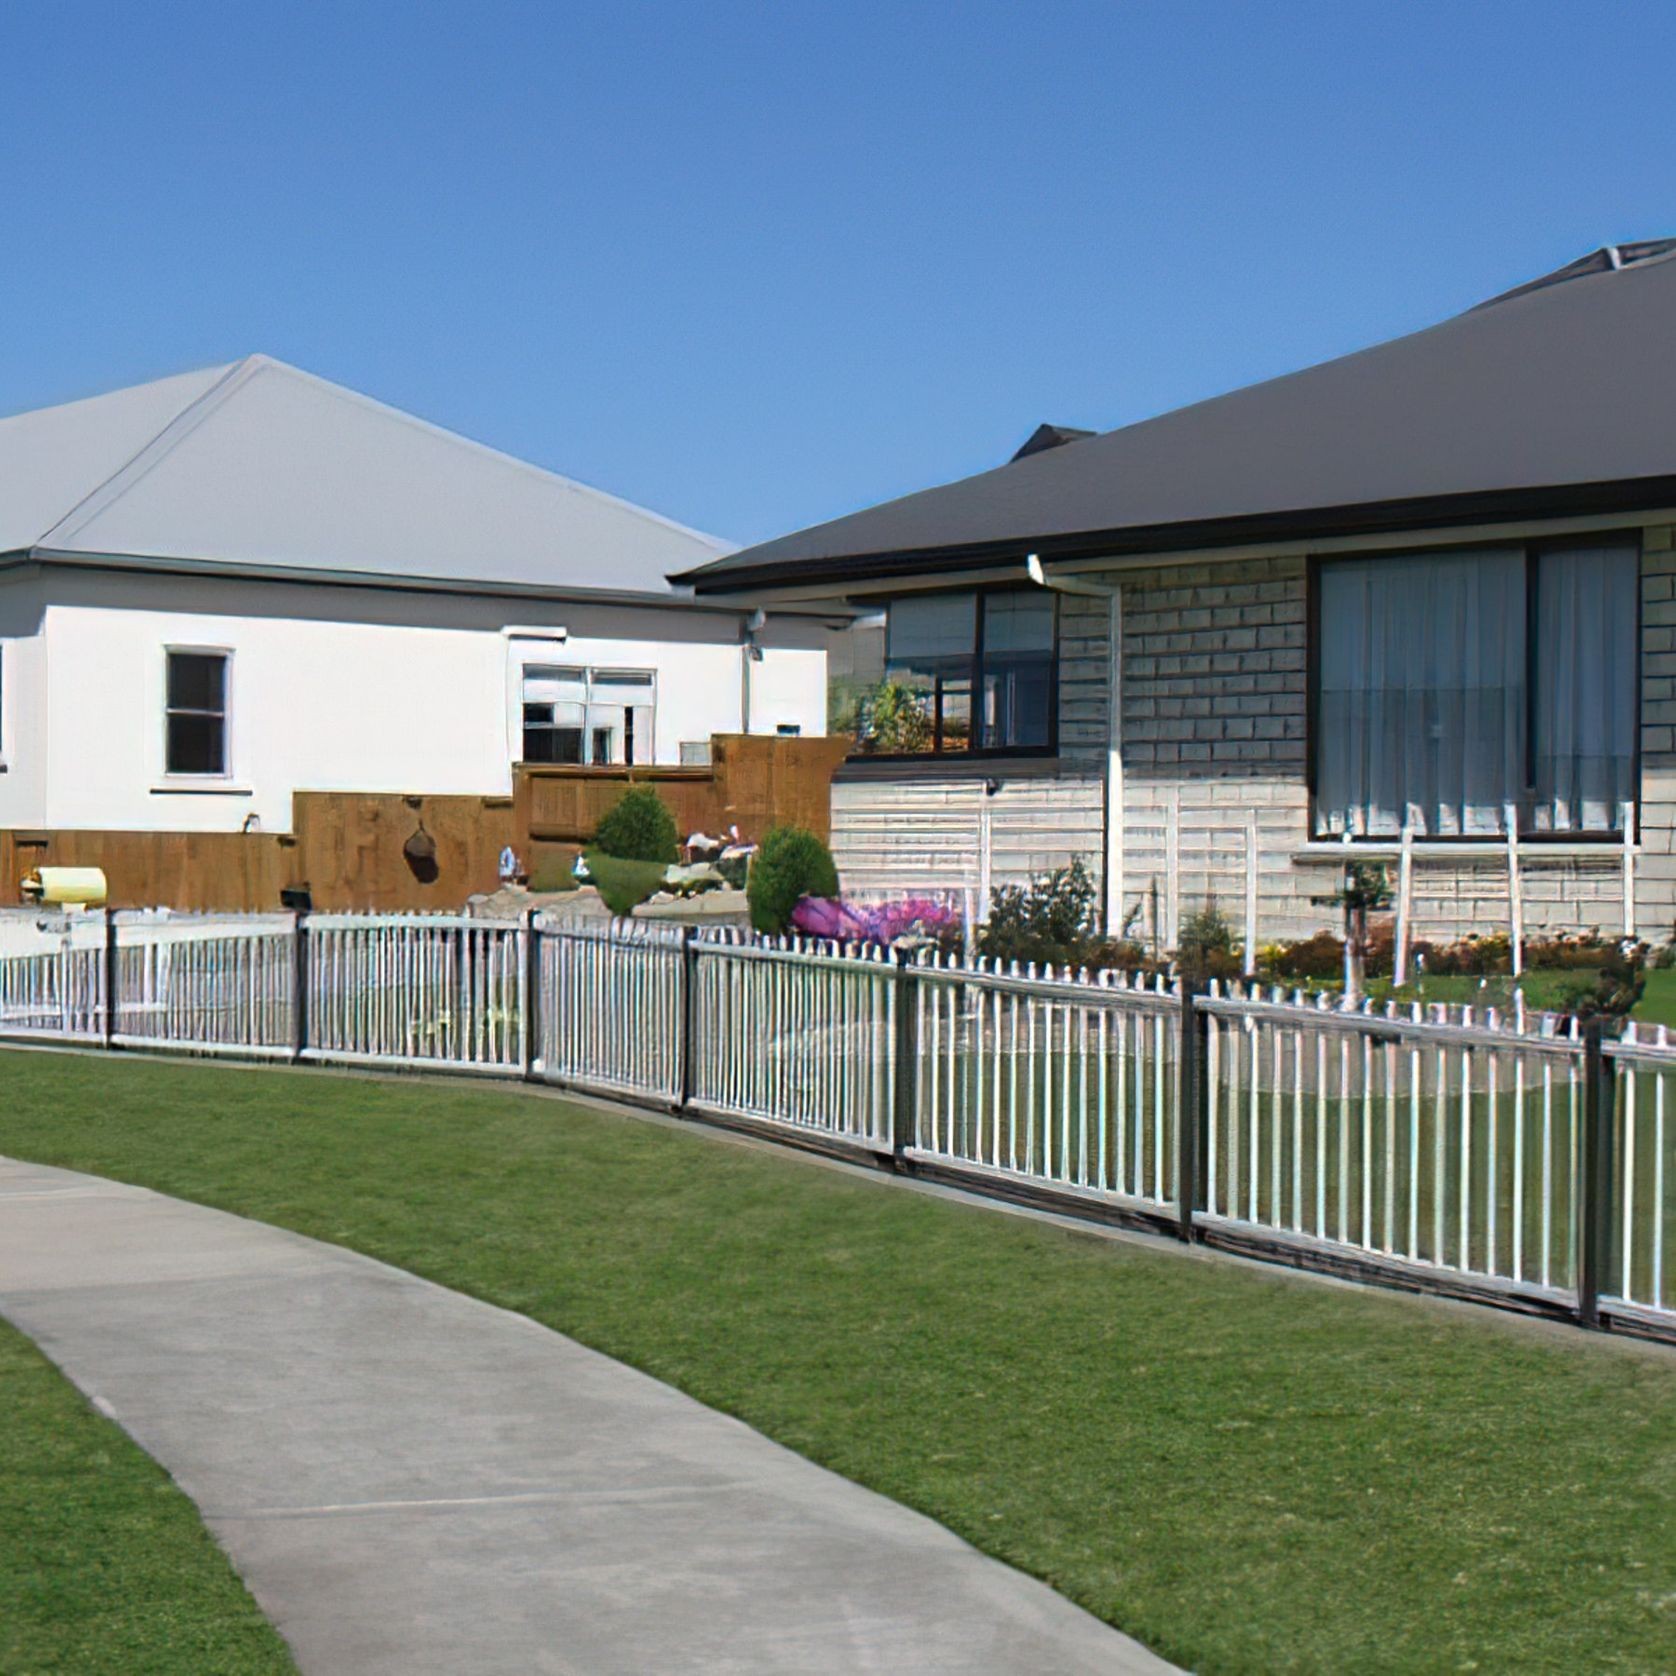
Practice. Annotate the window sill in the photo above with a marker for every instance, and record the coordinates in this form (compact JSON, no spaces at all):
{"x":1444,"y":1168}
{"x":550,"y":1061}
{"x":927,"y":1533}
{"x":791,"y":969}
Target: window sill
{"x":1002,"y":765}
{"x":1471,"y":849}
{"x":200,"y":788}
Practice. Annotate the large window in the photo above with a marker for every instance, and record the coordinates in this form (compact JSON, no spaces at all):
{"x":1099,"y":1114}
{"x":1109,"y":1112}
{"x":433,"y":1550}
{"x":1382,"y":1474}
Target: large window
{"x":594,"y":716}
{"x":966,"y":672}
{"x":1464,"y":691}
{"x":196,"y":713}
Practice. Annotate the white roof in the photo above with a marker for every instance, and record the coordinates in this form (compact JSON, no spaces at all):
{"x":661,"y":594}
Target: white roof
{"x":261,"y":468}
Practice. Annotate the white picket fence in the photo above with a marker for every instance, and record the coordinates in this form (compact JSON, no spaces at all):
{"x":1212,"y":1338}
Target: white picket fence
{"x":1438,"y":1139}
{"x":1644,"y":1174}
{"x":1071,"y":1080}
{"x":1517,"y":1157}
{"x":801,"y":1034}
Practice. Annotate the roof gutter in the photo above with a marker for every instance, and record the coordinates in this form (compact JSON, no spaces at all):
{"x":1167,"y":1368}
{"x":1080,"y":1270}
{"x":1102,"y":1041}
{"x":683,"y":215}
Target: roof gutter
{"x":1369,"y":518}
{"x":297,"y":574}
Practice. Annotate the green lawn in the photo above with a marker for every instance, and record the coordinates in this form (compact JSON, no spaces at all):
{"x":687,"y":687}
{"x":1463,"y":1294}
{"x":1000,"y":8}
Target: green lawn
{"x":104,"y":1566}
{"x":1250,"y":1471}
{"x":1658,"y":1001}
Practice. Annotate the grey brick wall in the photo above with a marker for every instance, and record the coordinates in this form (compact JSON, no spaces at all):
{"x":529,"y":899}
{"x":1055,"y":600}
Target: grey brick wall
{"x":1215,"y":701}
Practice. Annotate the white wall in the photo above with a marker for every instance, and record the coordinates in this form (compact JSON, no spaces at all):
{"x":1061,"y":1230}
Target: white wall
{"x":342,"y":689}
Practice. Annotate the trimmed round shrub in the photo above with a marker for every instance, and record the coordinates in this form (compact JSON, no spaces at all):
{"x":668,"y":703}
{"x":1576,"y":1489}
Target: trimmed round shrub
{"x":638,"y":828}
{"x":791,"y":864}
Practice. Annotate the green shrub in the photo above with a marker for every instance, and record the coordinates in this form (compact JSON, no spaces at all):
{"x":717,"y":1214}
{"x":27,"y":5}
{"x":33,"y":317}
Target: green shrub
{"x":791,"y":864}
{"x":623,"y":884}
{"x":639,"y":828}
{"x":1318,"y":956}
{"x":1055,"y":921}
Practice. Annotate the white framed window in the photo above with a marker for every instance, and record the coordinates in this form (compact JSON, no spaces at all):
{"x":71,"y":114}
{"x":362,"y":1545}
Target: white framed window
{"x":195,"y":712}
{"x":595,"y":716}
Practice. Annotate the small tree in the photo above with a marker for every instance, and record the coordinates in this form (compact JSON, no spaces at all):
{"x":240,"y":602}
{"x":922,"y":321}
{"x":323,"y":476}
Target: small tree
{"x":1367,"y":884}
{"x":639,"y":828}
{"x":1055,"y":920}
{"x":791,"y":864}
{"x":1207,"y":944}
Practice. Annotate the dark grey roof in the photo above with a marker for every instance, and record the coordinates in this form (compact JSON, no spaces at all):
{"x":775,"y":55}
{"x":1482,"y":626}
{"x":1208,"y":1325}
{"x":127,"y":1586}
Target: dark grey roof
{"x":1558,"y":396}
{"x":1050,"y":436}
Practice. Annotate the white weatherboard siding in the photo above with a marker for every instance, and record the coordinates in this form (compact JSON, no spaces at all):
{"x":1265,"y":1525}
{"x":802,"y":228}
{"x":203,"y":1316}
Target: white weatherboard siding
{"x":892,"y":835}
{"x":334,"y":689}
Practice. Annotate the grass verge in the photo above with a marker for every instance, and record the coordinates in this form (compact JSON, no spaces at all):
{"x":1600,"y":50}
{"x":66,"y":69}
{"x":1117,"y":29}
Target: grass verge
{"x":103,"y":1563}
{"x":1658,"y":1001}
{"x":1250,"y":1472}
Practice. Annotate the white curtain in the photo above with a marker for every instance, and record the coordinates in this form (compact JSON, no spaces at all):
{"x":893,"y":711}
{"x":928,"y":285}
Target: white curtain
{"x":1585,"y":691}
{"x":1422,"y":692}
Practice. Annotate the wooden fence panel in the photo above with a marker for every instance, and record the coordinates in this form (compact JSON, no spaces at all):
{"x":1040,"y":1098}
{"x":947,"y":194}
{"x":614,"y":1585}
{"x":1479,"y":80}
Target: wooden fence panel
{"x":764,"y":782}
{"x":227,"y":872}
{"x":350,"y":848}
{"x":564,"y":804}
{"x":753,"y":782}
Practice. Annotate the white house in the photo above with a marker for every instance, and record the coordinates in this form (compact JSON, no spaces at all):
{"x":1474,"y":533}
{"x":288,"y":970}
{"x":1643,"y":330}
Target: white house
{"x":226,"y":586}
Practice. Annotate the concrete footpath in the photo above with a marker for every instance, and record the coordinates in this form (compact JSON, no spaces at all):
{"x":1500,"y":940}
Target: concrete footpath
{"x":410,"y":1481}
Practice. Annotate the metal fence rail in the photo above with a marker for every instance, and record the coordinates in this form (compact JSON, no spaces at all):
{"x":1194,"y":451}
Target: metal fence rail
{"x":1519,"y":1158}
{"x":794,"y":1032}
{"x":1072,"y":1081}
{"x":609,"y":1015}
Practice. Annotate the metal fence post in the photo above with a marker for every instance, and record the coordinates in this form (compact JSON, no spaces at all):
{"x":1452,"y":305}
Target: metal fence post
{"x":689,"y":1016}
{"x":112,"y":978}
{"x":299,"y":985}
{"x":1594,"y":1189}
{"x":532,"y":993}
{"x":905,"y":1092}
{"x":1193,"y":1120}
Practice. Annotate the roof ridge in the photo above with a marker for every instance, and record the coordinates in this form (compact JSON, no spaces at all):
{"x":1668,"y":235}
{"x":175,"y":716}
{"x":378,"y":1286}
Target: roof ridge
{"x":459,"y":439}
{"x":111,"y":489}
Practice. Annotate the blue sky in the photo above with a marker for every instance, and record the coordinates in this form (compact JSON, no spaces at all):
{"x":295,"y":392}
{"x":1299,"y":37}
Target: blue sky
{"x":756,"y":265}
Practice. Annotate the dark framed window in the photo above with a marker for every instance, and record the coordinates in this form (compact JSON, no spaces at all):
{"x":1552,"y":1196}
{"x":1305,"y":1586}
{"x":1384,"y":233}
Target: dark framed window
{"x":1469,"y":693}
{"x":970,"y":672}
{"x":196,"y":713}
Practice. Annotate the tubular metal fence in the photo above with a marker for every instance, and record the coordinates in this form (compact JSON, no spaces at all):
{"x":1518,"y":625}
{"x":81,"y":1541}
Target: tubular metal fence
{"x":1520,"y":1158}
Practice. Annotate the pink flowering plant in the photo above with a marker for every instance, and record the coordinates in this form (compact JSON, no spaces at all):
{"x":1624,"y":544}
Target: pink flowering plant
{"x":883,"y":922}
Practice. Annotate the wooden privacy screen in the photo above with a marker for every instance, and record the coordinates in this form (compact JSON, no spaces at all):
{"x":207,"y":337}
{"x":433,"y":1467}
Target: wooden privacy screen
{"x":347,"y":847}
{"x":753,"y":782}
